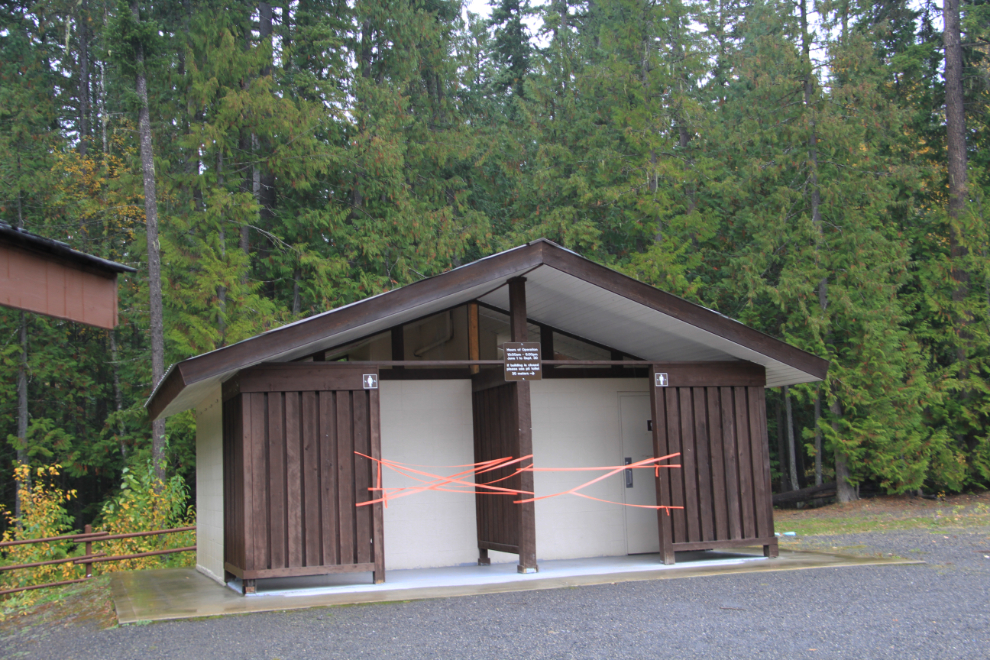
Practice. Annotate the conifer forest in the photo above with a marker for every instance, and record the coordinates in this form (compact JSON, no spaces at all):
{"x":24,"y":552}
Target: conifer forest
{"x":817,"y":169}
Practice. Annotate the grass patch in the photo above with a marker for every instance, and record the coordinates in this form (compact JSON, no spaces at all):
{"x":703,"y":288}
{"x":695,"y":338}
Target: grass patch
{"x":831,"y":527}
{"x":885,"y":514}
{"x":87,"y":604}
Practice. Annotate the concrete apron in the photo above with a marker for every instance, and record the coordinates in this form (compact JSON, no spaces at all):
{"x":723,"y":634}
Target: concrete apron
{"x":182,"y":593}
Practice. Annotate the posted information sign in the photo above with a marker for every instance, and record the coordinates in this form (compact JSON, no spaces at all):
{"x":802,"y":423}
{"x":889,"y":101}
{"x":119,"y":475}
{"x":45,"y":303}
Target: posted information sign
{"x":522,"y":360}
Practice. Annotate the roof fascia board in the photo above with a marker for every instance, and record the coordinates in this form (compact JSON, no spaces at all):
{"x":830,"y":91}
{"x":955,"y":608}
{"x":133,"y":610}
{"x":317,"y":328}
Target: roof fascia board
{"x":170,"y":386}
{"x":682,"y":310}
{"x":48,"y":248}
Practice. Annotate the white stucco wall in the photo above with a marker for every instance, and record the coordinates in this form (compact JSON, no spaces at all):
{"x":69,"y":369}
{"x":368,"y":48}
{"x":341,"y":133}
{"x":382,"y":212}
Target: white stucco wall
{"x":209,"y":487}
{"x":576,"y":424}
{"x":428,"y":423}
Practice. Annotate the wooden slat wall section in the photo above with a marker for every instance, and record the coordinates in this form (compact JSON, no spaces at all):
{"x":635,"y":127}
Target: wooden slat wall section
{"x":256,"y":479}
{"x":345,"y":476}
{"x":233,"y":485}
{"x":329,"y":501}
{"x":719,"y":500}
{"x":733,"y":505}
{"x":706,"y":507}
{"x":312,"y":520}
{"x":688,"y":451}
{"x":724,"y":481}
{"x":677,"y":477}
{"x":277,"y":482}
{"x":494,"y":437}
{"x":362,"y":478}
{"x":761,"y":457}
{"x":291,"y":482}
{"x":745,"y":465}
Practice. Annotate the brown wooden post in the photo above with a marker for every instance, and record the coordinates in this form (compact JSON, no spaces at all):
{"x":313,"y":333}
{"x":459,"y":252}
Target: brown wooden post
{"x":249,"y":586}
{"x":771,"y":549}
{"x":378,"y":527}
{"x":88,"y":529}
{"x":474,"y":342}
{"x":524,"y":429}
{"x":617,"y":356}
{"x":660,"y":448}
{"x":546,"y":348}
{"x":398,"y":345}
{"x":517,"y":309}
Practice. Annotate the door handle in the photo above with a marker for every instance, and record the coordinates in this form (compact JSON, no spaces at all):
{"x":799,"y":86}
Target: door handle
{"x":629,"y":476}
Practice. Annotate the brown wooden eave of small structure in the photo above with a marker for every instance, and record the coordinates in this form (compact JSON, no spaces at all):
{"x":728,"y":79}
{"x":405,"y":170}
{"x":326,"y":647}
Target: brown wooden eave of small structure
{"x":469,"y":283}
{"x":47,"y":277}
{"x":59,"y":251}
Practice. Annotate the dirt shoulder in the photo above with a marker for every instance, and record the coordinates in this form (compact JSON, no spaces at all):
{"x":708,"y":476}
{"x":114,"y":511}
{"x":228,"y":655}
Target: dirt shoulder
{"x":86,"y":607}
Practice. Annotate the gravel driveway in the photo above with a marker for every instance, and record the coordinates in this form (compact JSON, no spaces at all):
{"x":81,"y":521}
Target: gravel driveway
{"x":938,"y":610}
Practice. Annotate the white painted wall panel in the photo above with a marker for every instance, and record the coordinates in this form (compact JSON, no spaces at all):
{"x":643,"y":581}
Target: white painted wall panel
{"x":428,"y":423}
{"x":576,"y":424}
{"x":209,"y":486}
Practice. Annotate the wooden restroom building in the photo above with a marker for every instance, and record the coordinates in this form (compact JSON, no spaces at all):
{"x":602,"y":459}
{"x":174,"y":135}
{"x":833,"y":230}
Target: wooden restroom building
{"x":415,"y":375}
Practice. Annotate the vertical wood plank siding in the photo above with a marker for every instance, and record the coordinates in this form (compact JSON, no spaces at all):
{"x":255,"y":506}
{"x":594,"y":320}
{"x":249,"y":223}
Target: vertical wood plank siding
{"x":495,"y":437}
{"x":724,"y":481}
{"x":292,"y":480}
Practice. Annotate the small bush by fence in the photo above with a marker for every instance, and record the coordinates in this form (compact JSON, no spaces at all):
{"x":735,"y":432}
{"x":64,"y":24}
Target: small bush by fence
{"x":146,"y":525}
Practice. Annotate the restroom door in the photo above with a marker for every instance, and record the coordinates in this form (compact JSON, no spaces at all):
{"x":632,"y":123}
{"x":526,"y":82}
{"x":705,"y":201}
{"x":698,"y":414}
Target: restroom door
{"x":639,"y":486}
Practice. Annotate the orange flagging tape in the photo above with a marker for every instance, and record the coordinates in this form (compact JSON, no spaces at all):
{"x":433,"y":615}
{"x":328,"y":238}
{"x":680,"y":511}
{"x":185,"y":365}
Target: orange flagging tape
{"x":455,"y":483}
{"x":437,"y":482}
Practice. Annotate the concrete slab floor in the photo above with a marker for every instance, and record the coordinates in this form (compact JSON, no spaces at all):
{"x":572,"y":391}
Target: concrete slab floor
{"x":182,"y":593}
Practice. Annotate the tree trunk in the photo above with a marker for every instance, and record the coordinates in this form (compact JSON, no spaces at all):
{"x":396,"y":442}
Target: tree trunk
{"x":809,"y":88}
{"x":263,"y":179}
{"x":844,"y":491}
{"x":818,"y":437}
{"x":118,"y":395}
{"x":791,"y":445}
{"x":222,"y":238}
{"x":781,"y":452}
{"x":295,"y":292}
{"x":84,"y":101}
{"x":22,"y":414}
{"x":154,"y":256}
{"x":955,"y":125}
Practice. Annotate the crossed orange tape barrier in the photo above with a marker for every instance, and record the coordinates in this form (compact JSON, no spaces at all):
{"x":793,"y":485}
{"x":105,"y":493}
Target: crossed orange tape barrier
{"x":456,"y":483}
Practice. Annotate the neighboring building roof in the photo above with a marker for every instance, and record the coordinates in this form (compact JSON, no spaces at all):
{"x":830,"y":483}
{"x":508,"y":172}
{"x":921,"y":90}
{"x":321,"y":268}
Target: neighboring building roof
{"x":563,"y":290}
{"x":47,"y":277}
{"x":25,"y":240}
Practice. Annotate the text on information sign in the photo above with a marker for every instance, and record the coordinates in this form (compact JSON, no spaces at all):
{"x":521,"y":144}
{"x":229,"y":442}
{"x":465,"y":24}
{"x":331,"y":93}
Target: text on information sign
{"x":522,"y":360}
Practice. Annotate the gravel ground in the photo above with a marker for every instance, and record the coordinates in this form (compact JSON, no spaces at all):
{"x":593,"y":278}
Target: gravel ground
{"x":938,"y":610}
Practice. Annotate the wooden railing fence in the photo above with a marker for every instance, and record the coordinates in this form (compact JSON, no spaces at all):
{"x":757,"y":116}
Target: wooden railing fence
{"x":88,"y":538}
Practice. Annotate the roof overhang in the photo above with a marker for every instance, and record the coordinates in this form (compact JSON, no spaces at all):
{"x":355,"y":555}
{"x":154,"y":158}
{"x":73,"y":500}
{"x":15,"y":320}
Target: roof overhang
{"x":563,"y":290}
{"x":48,"y":277}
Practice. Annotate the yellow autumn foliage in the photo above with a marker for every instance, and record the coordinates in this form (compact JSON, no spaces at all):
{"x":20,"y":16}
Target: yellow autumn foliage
{"x":142,"y":504}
